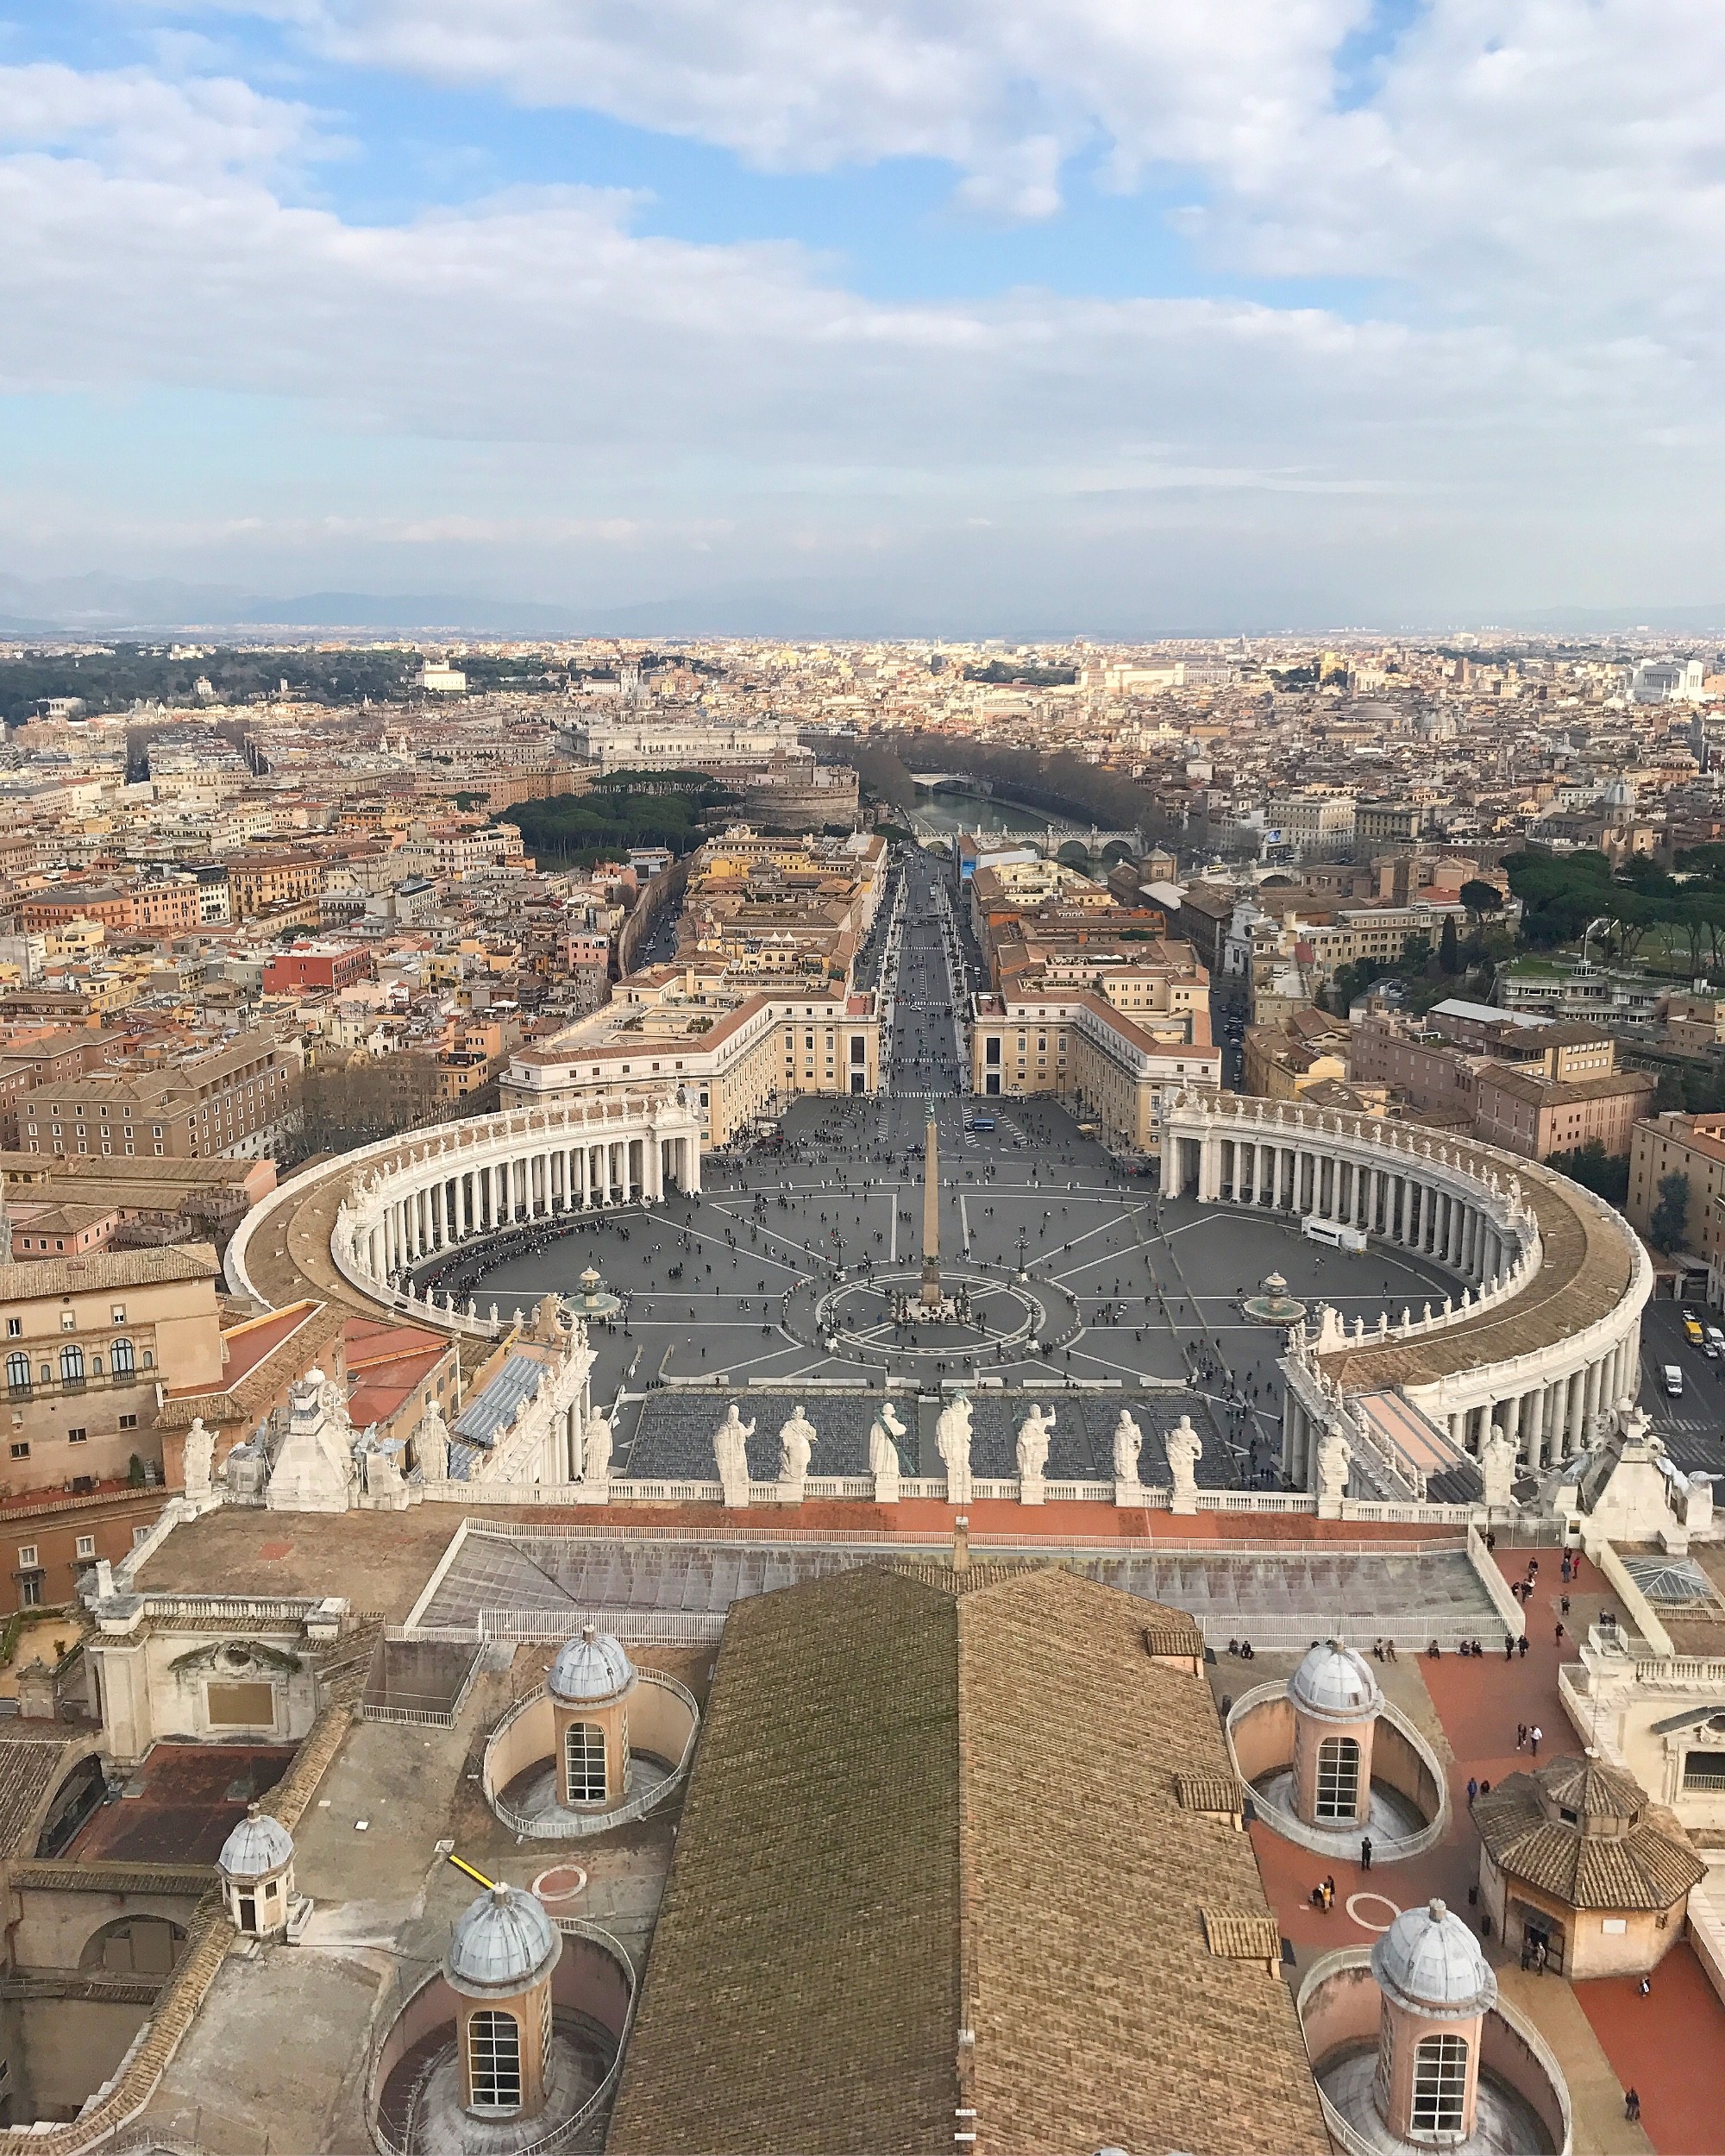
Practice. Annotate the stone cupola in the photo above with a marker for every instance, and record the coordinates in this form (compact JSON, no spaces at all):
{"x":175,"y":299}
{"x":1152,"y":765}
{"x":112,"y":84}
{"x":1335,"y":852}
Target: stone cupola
{"x":1336,"y":1702}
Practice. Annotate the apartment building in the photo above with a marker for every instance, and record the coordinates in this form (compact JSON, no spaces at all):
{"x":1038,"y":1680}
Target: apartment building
{"x":258,"y":881}
{"x":1524,"y":1111}
{"x":1306,"y":1047}
{"x":237,"y":1101}
{"x":1690,"y":1146}
{"x":88,"y":1342}
{"x":319,"y":964}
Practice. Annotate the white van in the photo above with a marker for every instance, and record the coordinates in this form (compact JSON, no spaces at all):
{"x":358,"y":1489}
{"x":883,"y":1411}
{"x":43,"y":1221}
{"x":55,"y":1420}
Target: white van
{"x":1336,"y":1232}
{"x":1673,"y":1381}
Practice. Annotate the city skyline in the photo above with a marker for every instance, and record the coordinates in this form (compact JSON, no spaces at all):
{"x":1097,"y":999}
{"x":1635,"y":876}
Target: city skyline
{"x":934,"y":320}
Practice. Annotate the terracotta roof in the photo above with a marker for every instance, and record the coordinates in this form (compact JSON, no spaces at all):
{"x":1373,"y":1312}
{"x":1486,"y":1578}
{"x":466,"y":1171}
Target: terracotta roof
{"x":894,"y":1833}
{"x":100,"y":1270}
{"x":256,"y":1390}
{"x":1202,"y":1792}
{"x":1234,"y":1937}
{"x":1584,"y":1271}
{"x":1652,"y":1866}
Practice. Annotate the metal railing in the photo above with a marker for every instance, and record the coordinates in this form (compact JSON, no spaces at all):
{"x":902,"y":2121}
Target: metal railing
{"x":1346,"y":1957}
{"x":565,"y":2130}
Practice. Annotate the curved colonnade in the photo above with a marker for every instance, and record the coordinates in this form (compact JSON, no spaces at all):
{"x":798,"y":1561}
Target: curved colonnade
{"x":405,"y":1200}
{"x":1543,"y":1334}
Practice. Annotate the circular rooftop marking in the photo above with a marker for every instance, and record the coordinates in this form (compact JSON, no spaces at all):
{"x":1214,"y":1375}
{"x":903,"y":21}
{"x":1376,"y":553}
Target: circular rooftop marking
{"x":1367,"y":1923}
{"x":560,"y":1882}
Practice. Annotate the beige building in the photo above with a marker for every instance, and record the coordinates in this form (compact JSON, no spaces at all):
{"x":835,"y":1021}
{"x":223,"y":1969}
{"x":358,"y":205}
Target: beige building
{"x":1306,"y":1047}
{"x":89,"y":1342}
{"x":738,"y":1055}
{"x":236,"y":1101}
{"x":1573,"y":1857}
{"x":1676,"y":1144}
{"x":1100,"y":1062}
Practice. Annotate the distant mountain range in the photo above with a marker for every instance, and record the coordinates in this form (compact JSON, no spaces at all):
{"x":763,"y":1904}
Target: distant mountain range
{"x":112,"y":606}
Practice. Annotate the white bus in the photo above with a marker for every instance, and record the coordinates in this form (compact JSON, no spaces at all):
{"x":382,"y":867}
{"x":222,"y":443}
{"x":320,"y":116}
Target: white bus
{"x":1336,"y":1232}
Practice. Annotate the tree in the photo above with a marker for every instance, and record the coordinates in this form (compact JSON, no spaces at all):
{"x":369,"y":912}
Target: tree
{"x":1449,"y":947}
{"x":1481,"y":898}
{"x":1606,"y":1174}
{"x":1666,"y":1230}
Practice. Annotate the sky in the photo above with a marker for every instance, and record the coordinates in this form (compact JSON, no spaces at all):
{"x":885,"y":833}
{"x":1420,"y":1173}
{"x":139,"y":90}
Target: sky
{"x":1045,"y":317}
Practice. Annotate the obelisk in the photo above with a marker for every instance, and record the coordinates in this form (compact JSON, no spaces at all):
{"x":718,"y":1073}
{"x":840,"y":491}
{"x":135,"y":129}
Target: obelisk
{"x":931,"y":1218}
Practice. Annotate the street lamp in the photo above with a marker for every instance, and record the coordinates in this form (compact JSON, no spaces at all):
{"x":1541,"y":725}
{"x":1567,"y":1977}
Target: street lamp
{"x":1603,"y":921}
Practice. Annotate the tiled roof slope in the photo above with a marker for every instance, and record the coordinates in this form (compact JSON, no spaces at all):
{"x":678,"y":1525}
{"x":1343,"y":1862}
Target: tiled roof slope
{"x":802,"y":1988}
{"x":1103,"y":2017}
{"x":927,"y":1803}
{"x":1651,"y":1866}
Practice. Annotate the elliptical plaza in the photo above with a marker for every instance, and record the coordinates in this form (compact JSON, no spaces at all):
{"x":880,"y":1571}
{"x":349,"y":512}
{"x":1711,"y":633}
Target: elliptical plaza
{"x":955,"y":1339}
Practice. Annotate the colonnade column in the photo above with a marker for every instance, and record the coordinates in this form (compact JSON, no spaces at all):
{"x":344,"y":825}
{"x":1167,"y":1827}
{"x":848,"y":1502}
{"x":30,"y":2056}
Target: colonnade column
{"x":1536,"y":1428}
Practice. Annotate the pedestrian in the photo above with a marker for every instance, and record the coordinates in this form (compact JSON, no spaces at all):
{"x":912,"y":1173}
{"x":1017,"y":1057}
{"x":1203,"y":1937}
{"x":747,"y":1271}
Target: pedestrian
{"x":1560,"y":1633}
{"x":1365,"y":1853}
{"x":1472,"y":1788}
{"x":1563,"y":1604}
{"x":1522,"y":1644}
{"x":1521,"y":1736}
{"x":1534,"y":1737}
{"x":1508,"y":1648}
{"x":1645,"y":1986}
{"x":1632,"y":2104}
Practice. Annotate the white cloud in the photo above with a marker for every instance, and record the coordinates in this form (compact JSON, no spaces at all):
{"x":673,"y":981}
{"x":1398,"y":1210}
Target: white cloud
{"x":133,"y":121}
{"x":1514,"y":154}
{"x":1548,"y":407}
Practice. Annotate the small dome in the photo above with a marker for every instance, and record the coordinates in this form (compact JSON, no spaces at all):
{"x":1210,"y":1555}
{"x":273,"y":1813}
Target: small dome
{"x":1336,"y":1683}
{"x":502,"y":1942}
{"x":258,"y":1846}
{"x":589,"y":1671}
{"x":1429,"y":1962}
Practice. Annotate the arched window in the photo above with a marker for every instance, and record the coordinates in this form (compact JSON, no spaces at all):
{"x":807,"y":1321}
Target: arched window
{"x":18,"y":1373}
{"x":494,"y":2060}
{"x":1439,"y":2084}
{"x":71,"y":1364}
{"x":584,"y":1763}
{"x":1338,"y":1778}
{"x":123,"y":1360}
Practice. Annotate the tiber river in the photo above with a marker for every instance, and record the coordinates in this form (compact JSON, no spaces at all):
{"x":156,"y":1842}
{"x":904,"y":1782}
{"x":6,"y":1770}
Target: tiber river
{"x":947,"y":813}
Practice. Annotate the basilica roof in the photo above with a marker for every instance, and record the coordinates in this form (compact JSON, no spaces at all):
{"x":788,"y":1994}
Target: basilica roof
{"x":931,"y":1812}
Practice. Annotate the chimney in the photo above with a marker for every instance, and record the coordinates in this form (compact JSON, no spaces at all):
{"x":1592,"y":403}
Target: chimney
{"x":961,"y":1543}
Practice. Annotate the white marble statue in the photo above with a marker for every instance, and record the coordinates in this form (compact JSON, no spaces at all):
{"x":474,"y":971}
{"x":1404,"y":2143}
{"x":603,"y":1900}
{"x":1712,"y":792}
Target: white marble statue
{"x":385,"y":1487}
{"x":731,"y":1452}
{"x":1185,"y":1449}
{"x":952,"y":1441}
{"x":1335,"y":1461}
{"x":333,"y":1395}
{"x":200,"y":1457}
{"x":1128,"y":1444}
{"x":796,"y":1443}
{"x":883,"y":1451}
{"x":431,"y":1444}
{"x":884,"y":1463}
{"x":1497,"y":1469}
{"x":1032,"y":1451}
{"x":596,"y":1440}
